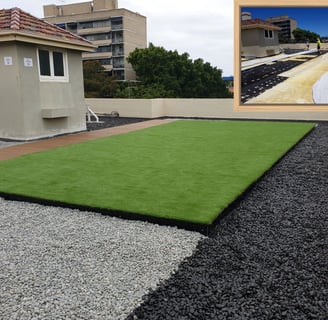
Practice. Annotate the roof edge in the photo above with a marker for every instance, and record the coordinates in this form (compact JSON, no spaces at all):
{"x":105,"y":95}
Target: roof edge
{"x":19,"y":36}
{"x":18,"y":21}
{"x":259,"y":26}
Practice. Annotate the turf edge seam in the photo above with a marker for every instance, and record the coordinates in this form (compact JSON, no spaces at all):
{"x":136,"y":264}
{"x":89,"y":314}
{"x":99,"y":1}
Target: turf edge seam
{"x":234,"y":204}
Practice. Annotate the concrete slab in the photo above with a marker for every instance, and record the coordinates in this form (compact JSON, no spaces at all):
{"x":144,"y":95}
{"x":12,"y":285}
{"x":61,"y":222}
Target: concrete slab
{"x":256,"y":62}
{"x":297,"y":89}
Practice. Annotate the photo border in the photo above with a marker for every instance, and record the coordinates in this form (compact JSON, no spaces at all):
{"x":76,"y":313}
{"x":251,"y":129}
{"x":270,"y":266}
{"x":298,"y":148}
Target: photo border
{"x":237,"y":61}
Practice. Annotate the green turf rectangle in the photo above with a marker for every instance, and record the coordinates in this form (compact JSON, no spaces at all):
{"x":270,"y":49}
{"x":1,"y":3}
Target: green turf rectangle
{"x":188,"y":170}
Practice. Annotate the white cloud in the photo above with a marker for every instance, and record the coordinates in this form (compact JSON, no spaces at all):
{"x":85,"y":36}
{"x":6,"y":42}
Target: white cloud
{"x":204,"y":29}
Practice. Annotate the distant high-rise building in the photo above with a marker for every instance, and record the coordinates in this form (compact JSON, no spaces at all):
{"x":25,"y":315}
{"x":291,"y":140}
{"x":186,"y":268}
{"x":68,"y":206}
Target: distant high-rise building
{"x":287,"y":25}
{"x":116,"y":31}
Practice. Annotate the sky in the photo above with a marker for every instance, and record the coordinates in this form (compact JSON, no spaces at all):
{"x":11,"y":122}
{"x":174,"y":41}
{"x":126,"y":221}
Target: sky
{"x":308,"y":18}
{"x":203,"y":29}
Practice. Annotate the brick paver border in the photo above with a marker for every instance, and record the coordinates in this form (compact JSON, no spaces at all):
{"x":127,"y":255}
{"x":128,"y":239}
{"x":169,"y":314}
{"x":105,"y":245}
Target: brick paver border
{"x":64,"y":140}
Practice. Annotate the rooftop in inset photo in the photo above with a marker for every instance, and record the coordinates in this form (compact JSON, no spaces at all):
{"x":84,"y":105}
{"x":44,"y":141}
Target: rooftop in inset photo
{"x":283,"y":55}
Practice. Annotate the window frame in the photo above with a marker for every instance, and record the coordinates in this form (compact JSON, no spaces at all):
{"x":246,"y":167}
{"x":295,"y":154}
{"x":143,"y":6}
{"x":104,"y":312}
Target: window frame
{"x":270,"y":34}
{"x":52,"y":77}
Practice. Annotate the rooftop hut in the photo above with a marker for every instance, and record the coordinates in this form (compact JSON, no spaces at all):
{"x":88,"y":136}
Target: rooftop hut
{"x":41,"y":92}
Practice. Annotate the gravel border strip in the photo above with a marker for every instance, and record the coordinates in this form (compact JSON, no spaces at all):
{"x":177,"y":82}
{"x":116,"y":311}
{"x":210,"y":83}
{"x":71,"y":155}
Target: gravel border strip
{"x":60,"y":263}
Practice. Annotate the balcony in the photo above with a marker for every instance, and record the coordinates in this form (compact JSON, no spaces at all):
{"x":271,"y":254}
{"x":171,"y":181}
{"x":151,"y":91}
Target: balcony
{"x":102,"y":42}
{"x":108,"y":67}
{"x":117,"y":27}
{"x":118,"y":63}
{"x":96,"y":55}
{"x":117,"y":40}
{"x":118,"y":53}
{"x":82,"y":32}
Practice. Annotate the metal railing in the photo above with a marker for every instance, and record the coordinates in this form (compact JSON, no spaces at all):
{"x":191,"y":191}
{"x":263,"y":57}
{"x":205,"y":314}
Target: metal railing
{"x":90,"y":113}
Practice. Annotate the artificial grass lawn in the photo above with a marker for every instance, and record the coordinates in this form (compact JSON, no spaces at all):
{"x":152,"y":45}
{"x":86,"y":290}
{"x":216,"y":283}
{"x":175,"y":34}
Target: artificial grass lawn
{"x":185,"y":170}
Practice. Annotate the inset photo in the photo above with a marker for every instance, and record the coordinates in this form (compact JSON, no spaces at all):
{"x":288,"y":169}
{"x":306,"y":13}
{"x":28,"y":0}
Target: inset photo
{"x":281,"y":54}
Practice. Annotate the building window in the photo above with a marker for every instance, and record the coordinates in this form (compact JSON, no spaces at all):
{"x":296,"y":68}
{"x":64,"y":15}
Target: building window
{"x":52,"y":65}
{"x":117,"y":37}
{"x":86,"y":25}
{"x":72,"y":27}
{"x":118,"y":63}
{"x":44,"y":63}
{"x":101,"y":23}
{"x":94,"y":24}
{"x":118,"y":74}
{"x":268,"y":34}
{"x":58,"y":64}
{"x":117,"y":23}
{"x":118,"y":50}
{"x":104,"y":49}
{"x":106,"y":62}
{"x":98,"y":36}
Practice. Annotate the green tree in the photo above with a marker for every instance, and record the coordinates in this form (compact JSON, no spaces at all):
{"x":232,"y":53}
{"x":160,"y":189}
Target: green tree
{"x":283,"y":38}
{"x":136,"y":91}
{"x":302,"y":35}
{"x":169,"y":74}
{"x":97,"y":83}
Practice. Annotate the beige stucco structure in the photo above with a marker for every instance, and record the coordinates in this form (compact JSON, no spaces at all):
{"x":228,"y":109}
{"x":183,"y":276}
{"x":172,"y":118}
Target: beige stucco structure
{"x":115,"y":31}
{"x":35,"y":105}
{"x":258,"y":38}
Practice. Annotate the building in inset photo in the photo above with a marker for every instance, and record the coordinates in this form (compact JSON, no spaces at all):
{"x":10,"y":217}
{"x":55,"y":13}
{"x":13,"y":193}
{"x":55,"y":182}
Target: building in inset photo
{"x":259,"y":38}
{"x":283,"y":60}
{"x":286,"y":24}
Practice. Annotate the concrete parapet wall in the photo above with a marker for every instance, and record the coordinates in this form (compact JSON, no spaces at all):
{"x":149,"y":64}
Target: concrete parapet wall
{"x":203,"y":108}
{"x":135,"y":108}
{"x":302,"y":46}
{"x":154,"y":108}
{"x":207,"y":108}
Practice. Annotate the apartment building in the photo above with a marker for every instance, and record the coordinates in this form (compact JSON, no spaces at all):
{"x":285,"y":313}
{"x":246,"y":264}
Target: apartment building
{"x":115,"y":31}
{"x":286,"y":24}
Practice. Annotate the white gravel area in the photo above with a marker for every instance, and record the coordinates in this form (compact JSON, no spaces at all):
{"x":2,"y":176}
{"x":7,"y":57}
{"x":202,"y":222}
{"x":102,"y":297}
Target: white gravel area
{"x":58,"y":263}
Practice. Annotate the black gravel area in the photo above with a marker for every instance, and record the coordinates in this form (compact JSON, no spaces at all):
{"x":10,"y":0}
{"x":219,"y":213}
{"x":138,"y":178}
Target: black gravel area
{"x":268,"y":258}
{"x":255,"y":81}
{"x":108,"y":121}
